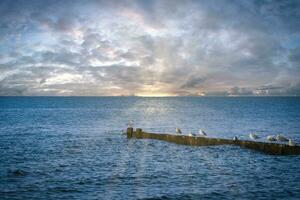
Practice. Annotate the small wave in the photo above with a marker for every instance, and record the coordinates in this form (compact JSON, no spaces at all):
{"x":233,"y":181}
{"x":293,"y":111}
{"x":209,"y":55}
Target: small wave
{"x":63,"y":189}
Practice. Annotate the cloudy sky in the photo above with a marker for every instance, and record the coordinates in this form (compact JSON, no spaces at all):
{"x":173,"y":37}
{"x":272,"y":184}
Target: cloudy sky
{"x":149,"y":48}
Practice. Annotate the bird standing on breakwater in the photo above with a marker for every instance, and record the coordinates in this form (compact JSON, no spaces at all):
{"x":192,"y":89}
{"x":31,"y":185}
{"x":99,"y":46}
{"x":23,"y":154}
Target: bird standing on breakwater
{"x":253,"y":136}
{"x":281,"y":138}
{"x":202,"y":133}
{"x":291,"y":143}
{"x":271,"y":138}
{"x":192,"y":134}
{"x":130,"y":124}
{"x":178,"y":131}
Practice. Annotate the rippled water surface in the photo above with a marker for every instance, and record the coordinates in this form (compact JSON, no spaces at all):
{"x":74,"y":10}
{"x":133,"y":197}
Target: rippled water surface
{"x":72,"y":148}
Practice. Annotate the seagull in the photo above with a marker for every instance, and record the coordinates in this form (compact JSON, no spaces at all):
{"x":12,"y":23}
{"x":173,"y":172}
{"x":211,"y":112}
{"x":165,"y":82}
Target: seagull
{"x":253,"y":136}
{"x":291,"y":143}
{"x":202,"y":133}
{"x":130,"y":124}
{"x":281,"y":138}
{"x":271,"y":138}
{"x":178,"y":131}
{"x":235,"y":138}
{"x":192,"y":134}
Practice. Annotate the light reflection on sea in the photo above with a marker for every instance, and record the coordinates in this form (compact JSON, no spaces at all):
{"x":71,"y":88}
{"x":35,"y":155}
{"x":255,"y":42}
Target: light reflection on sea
{"x":72,"y":147}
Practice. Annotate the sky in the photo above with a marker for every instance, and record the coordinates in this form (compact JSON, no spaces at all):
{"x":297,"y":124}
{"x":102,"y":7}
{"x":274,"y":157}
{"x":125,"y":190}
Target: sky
{"x":149,"y":48}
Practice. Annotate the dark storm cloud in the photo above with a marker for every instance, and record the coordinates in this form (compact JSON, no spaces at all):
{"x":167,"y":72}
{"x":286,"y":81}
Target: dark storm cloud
{"x":149,"y":47}
{"x":193,"y":82}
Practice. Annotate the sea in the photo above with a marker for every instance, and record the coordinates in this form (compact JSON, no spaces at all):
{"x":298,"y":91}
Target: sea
{"x":75,"y":148}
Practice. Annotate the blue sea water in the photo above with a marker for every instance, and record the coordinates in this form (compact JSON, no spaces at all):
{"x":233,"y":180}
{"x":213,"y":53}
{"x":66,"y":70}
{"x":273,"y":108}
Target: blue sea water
{"x":73,"y":148}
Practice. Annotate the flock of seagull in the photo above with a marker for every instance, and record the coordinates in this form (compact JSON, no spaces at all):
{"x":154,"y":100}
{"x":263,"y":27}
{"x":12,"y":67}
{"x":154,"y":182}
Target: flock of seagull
{"x":200,"y":133}
{"x":252,"y":136}
{"x":273,"y":138}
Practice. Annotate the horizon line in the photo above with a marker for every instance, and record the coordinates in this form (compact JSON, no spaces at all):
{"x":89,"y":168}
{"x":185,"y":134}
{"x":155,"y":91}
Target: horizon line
{"x":200,"y":96}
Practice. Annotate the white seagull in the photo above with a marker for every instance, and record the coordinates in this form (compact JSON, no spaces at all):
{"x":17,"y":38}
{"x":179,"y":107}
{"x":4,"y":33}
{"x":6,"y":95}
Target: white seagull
{"x":202,"y":133}
{"x":253,"y":136}
{"x":235,"y":138}
{"x":271,"y":138}
{"x":291,"y":143}
{"x":178,"y":131}
{"x":281,"y":138}
{"x":130,"y":124}
{"x":192,"y":134}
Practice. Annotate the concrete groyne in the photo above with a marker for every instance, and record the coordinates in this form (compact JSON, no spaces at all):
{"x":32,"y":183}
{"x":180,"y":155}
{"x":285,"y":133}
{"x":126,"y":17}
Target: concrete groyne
{"x":265,"y":147}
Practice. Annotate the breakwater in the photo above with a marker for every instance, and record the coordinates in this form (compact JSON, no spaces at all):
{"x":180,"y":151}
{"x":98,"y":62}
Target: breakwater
{"x":265,"y":147}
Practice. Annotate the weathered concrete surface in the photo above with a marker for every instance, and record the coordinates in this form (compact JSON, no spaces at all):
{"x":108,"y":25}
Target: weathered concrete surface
{"x":269,"y":148}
